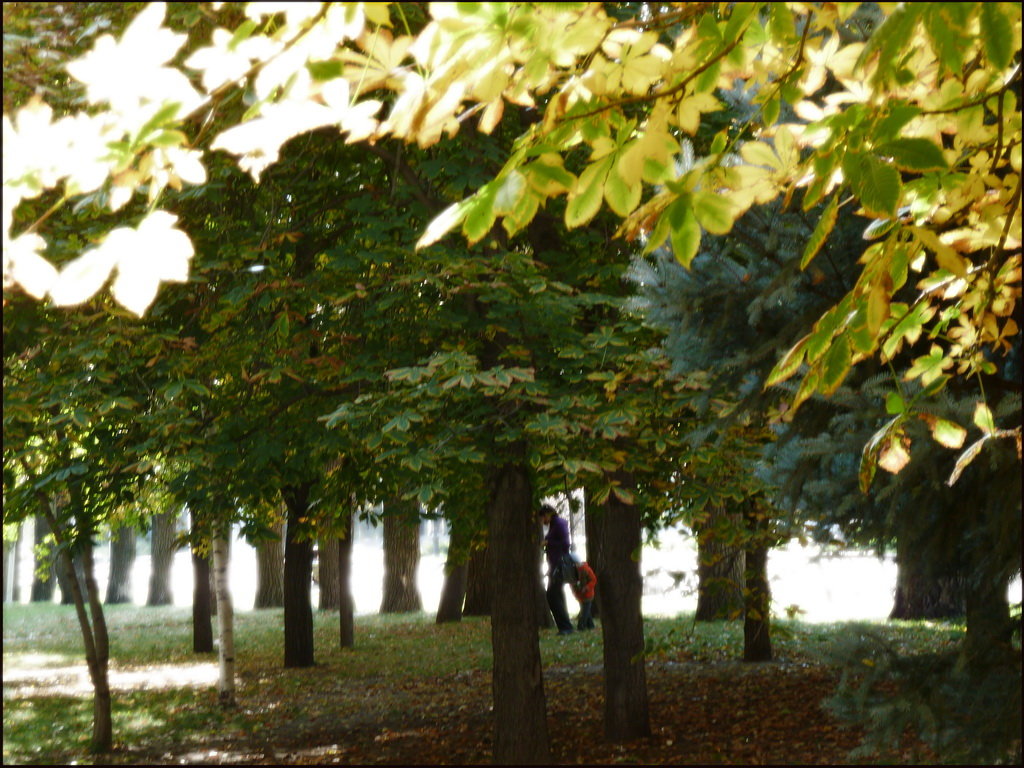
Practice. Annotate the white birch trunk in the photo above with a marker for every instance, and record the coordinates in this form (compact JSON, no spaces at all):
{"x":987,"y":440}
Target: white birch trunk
{"x":225,"y":623}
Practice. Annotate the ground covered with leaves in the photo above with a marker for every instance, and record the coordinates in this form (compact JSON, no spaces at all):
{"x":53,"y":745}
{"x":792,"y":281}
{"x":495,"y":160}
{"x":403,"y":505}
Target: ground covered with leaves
{"x":414,"y":693}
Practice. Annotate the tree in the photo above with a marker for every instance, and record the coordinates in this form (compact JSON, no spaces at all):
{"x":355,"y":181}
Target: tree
{"x":720,"y":565}
{"x":298,"y":572}
{"x":401,"y":560}
{"x":456,"y":573}
{"x":601,"y":103}
{"x":270,"y":570}
{"x":43,"y":577}
{"x":327,"y":570}
{"x":346,"y":609}
{"x":122,"y":559}
{"x":225,"y":622}
{"x":478,"y":586}
{"x":202,"y":611}
{"x":162,"y":546}
{"x":616,"y":530}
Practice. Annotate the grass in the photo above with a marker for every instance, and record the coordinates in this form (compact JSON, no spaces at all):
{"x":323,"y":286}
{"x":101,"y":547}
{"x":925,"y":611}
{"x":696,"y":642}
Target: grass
{"x":165,"y":698}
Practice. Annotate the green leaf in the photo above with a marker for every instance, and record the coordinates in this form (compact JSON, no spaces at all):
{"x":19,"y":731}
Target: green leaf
{"x":876,"y":183}
{"x":481,"y":214}
{"x":929,"y":367}
{"x":789,"y":364}
{"x":821,"y":231}
{"x":444,"y":223}
{"x":622,"y":198}
{"x":943,"y":22}
{"x":624,"y":495}
{"x":585,"y":199}
{"x":914,"y":154}
{"x":684,"y":235}
{"x":997,"y":34}
{"x":891,"y":39}
{"x":510,"y":190}
{"x":837,"y":365}
{"x":781,"y":26}
{"x":877,"y":309}
{"x":164,"y":115}
{"x":742,"y":15}
{"x":983,"y":419}
{"x":549,"y":178}
{"x":894,"y":403}
{"x":716,"y":213}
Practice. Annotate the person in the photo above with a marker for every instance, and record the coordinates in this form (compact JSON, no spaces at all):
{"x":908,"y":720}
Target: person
{"x":583,"y":582}
{"x":556,"y":547}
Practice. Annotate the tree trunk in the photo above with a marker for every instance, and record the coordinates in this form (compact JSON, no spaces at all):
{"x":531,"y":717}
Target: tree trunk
{"x":720,"y":565}
{"x":12,"y":567}
{"x":456,"y":572}
{"x":520,"y":718}
{"x":270,"y":570}
{"x":327,"y":566}
{"x":93,"y":625}
{"x":616,"y":531}
{"x":924,"y":591}
{"x":122,"y":559}
{"x":161,"y":557}
{"x":401,"y":560}
{"x":202,"y":613}
{"x":346,"y":610}
{"x":102,"y":725}
{"x":9,"y":550}
{"x":225,"y":624}
{"x":67,"y":592}
{"x":42,"y":589}
{"x":298,"y":573}
{"x":757,"y":643}
{"x":478,"y":586}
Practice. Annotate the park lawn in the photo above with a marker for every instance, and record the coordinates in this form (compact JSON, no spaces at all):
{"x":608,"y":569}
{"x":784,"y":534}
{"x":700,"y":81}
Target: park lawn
{"x":413,"y":692}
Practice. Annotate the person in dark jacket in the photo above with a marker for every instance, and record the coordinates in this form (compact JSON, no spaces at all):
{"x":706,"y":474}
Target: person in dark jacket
{"x":556,"y":548}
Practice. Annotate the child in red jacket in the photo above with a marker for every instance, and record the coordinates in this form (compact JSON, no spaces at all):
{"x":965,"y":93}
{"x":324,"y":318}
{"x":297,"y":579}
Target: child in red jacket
{"x":582,"y":581}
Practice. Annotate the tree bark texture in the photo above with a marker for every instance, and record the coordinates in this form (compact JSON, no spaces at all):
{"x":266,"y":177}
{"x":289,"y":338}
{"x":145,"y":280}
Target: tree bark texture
{"x":93,"y":625}
{"x":401,"y":558}
{"x":161,"y":556}
{"x":67,"y":594}
{"x":757,"y":643}
{"x":327,"y":570}
{"x":225,"y":624}
{"x":520,"y":718}
{"x":12,"y":568}
{"x":202,"y":613}
{"x":298,"y":572}
{"x":102,"y":727}
{"x":453,"y":592}
{"x":346,"y":605}
{"x":478,"y":586}
{"x":122,"y":560}
{"x":42,"y":589}
{"x":924,"y":590}
{"x":270,"y":571}
{"x":617,"y":530}
{"x":720,"y":566}
{"x":456,"y":573}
